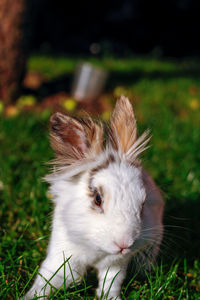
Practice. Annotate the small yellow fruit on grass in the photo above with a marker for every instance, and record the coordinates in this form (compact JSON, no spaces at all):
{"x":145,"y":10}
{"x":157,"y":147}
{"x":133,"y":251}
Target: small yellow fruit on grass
{"x":105,"y":115}
{"x":28,"y":100}
{"x":1,"y":107}
{"x":69,"y":104}
{"x":194,"y":104}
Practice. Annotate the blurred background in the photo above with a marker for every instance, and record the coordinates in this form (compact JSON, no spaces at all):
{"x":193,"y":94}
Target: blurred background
{"x":165,"y":28}
{"x":89,"y":29}
{"x":71,"y":56}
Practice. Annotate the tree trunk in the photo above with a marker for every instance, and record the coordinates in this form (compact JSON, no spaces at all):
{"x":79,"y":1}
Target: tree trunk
{"x":12,"y":61}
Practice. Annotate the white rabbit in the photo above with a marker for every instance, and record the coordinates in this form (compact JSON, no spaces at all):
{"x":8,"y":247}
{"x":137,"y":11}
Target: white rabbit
{"x":107,"y":207}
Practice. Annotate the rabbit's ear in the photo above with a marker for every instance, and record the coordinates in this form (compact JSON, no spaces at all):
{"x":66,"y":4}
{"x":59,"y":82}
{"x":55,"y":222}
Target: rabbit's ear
{"x":123,"y":126}
{"x":74,"y":138}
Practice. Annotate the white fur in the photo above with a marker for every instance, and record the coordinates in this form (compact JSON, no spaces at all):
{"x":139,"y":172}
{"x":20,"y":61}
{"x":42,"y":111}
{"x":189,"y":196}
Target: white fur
{"x":107,"y":237}
{"x":88,"y":236}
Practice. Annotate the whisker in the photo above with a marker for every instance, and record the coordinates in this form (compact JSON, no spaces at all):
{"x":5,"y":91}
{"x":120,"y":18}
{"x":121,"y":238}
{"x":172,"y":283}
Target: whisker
{"x":177,"y":218}
{"x":165,"y":226}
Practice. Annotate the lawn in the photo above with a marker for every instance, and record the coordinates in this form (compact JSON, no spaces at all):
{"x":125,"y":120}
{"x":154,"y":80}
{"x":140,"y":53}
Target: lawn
{"x":166,"y":98}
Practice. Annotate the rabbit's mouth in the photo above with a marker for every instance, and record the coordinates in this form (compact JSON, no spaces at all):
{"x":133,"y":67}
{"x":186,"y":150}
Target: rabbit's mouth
{"x":122,"y":248}
{"x":124,"y":251}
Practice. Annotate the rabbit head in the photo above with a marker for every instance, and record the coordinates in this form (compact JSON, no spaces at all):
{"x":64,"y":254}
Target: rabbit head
{"x":98,"y":184}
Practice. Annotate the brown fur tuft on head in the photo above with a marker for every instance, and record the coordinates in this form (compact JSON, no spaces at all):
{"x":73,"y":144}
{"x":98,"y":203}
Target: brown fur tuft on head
{"x":74,"y":138}
{"x":77,"y":140}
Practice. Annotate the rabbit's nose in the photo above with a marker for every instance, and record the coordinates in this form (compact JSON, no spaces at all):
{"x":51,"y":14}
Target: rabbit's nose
{"x":123,"y":247}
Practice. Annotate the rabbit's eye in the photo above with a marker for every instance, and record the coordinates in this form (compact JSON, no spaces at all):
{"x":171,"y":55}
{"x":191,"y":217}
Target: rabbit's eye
{"x":98,"y":200}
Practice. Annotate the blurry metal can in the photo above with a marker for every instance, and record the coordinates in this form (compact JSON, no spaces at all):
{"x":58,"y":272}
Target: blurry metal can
{"x":89,"y":82}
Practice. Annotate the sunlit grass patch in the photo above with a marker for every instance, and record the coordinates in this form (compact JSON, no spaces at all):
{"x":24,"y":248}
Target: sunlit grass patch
{"x":166,"y":99}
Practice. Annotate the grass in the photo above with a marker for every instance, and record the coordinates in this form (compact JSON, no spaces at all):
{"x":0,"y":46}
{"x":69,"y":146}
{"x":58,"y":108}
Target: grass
{"x":52,"y":67}
{"x":166,"y":100}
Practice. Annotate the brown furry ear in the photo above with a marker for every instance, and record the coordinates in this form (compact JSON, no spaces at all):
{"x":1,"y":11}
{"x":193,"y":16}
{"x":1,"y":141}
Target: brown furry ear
{"x":74,"y":138}
{"x":123,"y":125}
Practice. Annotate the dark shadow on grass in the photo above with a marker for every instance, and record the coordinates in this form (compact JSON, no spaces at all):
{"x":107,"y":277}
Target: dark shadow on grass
{"x":59,"y":84}
{"x":182,"y":231}
{"x":126,"y":78}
